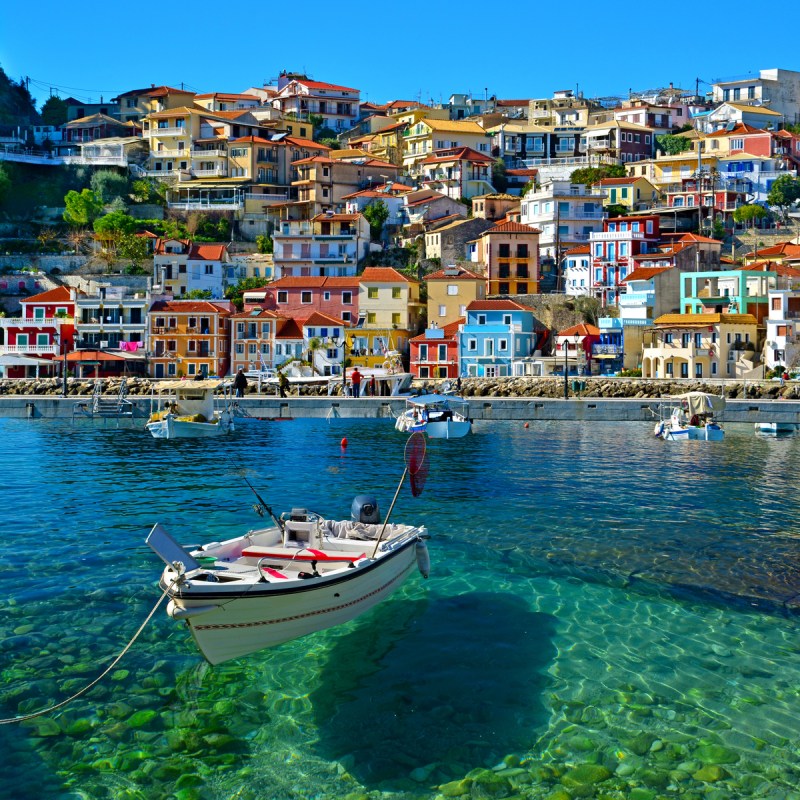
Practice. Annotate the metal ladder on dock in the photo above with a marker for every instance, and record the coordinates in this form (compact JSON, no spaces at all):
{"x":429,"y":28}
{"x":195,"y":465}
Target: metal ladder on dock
{"x":118,"y":407}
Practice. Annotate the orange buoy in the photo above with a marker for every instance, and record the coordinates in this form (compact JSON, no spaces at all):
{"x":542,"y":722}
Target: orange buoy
{"x":526,"y":425}
{"x":344,"y":443}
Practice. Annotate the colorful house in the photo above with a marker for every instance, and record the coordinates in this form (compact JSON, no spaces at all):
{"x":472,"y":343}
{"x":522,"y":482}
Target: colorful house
{"x":450,"y":291}
{"x":424,"y":137}
{"x":457,"y":172}
{"x":496,"y":339}
{"x":434,"y":354}
{"x":39,"y":337}
{"x":613,"y":249}
{"x":635,"y":193}
{"x":252,"y":344}
{"x":708,"y":345}
{"x":389,"y":314}
{"x":509,"y":254}
{"x":188,"y":337}
{"x":585,"y":344}
{"x":298,"y":297}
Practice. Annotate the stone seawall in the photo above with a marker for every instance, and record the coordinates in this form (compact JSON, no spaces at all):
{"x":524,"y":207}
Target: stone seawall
{"x":484,"y":409}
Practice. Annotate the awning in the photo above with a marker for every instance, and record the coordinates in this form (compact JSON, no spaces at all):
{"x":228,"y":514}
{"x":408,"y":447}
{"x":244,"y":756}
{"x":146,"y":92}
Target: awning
{"x":15,"y":360}
{"x":93,"y":355}
{"x":607,"y":355}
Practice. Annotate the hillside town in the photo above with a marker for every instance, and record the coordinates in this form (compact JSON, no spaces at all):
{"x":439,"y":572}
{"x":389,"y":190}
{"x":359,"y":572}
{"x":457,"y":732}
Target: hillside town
{"x":650,"y":235}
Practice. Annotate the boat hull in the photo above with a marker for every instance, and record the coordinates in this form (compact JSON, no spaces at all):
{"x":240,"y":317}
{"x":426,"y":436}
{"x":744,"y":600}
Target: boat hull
{"x":225,"y":627}
{"x":448,"y":429}
{"x":171,"y":428}
{"x":775,"y":428}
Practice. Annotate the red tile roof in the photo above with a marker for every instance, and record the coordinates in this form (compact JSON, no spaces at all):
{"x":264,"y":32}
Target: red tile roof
{"x":456,"y":154}
{"x":58,"y":295}
{"x":290,"y":329}
{"x":511,"y":227}
{"x":496,"y":305}
{"x":300,"y":142}
{"x":462,"y":274}
{"x":618,"y":181}
{"x":384,"y":275}
{"x":321,"y":85}
{"x":784,"y":250}
{"x":579,"y":250}
{"x":256,"y":313}
{"x":187,"y":307}
{"x":581,"y":329}
{"x":644,"y":273}
{"x":208,"y":252}
{"x":314,"y":282}
{"x":693,"y":237}
{"x":318,"y":318}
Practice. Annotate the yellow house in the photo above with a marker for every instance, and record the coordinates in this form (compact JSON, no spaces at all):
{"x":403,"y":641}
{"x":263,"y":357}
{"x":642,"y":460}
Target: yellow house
{"x":139,"y":103}
{"x":715,"y":345}
{"x":389,"y":312}
{"x":450,"y":291}
{"x":427,"y":135}
{"x":635,"y":193}
{"x":188,"y":337}
{"x":670,"y":170}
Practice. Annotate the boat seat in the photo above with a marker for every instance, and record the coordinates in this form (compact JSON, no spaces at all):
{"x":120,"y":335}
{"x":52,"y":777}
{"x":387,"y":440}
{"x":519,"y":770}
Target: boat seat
{"x":300,"y":533}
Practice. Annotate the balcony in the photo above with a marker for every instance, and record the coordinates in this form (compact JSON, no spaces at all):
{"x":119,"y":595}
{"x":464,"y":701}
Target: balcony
{"x":30,"y":322}
{"x":177,"y":131}
{"x":613,"y":236}
{"x":216,"y":172}
{"x":223,"y":204}
{"x":161,"y":173}
{"x":208,"y":153}
{"x":637,"y":298}
{"x":38,"y":349}
{"x":267,"y":198}
{"x":156,"y":154}
{"x":607,"y":349}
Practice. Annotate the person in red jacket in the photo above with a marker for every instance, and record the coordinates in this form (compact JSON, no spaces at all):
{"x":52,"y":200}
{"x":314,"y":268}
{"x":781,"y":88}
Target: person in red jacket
{"x":355,"y":380}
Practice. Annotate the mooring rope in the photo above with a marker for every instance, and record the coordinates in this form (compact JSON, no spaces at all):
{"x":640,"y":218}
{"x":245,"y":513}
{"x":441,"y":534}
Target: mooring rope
{"x":100,"y":676}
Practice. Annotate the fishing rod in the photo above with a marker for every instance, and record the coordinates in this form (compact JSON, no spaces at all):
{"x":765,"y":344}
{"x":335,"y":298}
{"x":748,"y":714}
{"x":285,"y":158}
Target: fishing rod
{"x":262,"y":504}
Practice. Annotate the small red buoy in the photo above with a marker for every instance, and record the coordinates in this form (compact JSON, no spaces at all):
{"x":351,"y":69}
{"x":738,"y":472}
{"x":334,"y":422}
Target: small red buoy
{"x":526,"y":425}
{"x":344,"y":443}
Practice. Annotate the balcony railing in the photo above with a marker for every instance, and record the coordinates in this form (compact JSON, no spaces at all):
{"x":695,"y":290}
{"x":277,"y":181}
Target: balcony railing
{"x":613,"y":236}
{"x":156,"y":154}
{"x":267,"y":198}
{"x":177,"y":131}
{"x":38,"y":349}
{"x":216,"y":172}
{"x":208,"y":153}
{"x":30,"y":322}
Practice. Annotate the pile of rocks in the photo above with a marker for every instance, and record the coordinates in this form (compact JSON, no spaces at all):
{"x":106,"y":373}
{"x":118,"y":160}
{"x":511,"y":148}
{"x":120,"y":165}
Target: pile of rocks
{"x":552,"y":387}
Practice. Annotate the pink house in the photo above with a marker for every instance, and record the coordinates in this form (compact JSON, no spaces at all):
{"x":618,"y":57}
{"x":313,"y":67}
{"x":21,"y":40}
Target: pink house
{"x":299,"y":297}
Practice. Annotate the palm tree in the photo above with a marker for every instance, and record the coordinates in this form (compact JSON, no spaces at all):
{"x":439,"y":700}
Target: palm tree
{"x":314,"y":345}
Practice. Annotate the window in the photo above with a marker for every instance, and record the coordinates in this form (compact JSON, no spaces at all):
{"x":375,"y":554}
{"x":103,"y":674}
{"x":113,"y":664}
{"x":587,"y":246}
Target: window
{"x":396,"y":292}
{"x":372,"y":292}
{"x":698,"y":340}
{"x":442,"y":311}
{"x":283,"y":296}
{"x":396,"y":319}
{"x":472,"y":345}
{"x":698,"y":370}
{"x":669,"y":368}
{"x":667,"y":338}
{"x":442,"y":352}
{"x":452,"y":289}
{"x":751,"y":92}
{"x":371,"y":318}
{"x":347,"y":298}
{"x":506,"y":319}
{"x":305,"y":298}
{"x":737,"y":144}
{"x":502,"y":344}
{"x":504,"y":251}
{"x":726,"y":95}
{"x":737,"y":94}
{"x":481,"y":319}
{"x":423,"y":352}
{"x":326,"y":295}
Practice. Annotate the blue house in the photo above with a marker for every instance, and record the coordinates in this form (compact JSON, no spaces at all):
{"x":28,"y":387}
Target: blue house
{"x":497,"y":340}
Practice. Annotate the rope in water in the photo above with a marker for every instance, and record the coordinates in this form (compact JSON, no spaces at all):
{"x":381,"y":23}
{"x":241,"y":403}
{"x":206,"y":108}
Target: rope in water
{"x":99,"y":677}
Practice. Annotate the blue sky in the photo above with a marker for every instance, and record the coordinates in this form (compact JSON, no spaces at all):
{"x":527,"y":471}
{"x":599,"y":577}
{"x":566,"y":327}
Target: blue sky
{"x":402,"y":50}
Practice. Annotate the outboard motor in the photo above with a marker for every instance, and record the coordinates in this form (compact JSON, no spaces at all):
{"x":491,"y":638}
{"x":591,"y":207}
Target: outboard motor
{"x":365,"y":509}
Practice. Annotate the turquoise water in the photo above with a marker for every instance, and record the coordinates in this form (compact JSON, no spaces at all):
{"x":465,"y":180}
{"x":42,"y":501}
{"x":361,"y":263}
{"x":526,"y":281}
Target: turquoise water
{"x":608,"y":616}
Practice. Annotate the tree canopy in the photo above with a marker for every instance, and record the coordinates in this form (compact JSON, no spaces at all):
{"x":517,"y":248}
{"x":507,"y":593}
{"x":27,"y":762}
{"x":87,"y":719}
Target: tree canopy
{"x":54,"y":111}
{"x":5,"y":183}
{"x":376,"y":213}
{"x":16,"y":104}
{"x":673,"y":145}
{"x":592,"y":175}
{"x":499,"y":177}
{"x":108,"y":185}
{"x":750,"y":213}
{"x":234,"y":293}
{"x":115,"y":222}
{"x":82,"y":208}
{"x":784,"y":193}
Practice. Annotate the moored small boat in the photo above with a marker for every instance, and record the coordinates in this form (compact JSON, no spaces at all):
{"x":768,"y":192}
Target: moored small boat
{"x":186,"y":410}
{"x":438,"y":416}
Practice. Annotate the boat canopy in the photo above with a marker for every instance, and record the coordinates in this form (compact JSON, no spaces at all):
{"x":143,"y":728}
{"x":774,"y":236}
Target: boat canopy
{"x":701,"y":402}
{"x":433,"y":400}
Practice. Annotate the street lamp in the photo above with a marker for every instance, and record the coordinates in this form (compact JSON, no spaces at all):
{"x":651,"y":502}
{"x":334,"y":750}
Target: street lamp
{"x":566,"y":361}
{"x":62,"y":342}
{"x":343,"y":344}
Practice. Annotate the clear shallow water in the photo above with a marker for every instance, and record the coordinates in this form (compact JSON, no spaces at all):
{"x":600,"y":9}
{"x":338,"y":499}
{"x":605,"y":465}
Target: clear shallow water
{"x":604,"y":618}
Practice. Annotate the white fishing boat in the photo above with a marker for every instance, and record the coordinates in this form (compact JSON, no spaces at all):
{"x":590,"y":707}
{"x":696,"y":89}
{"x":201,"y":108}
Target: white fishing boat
{"x":187,"y":409}
{"x":691,"y":417}
{"x":303,"y":574}
{"x":776,"y":428}
{"x":438,"y":416}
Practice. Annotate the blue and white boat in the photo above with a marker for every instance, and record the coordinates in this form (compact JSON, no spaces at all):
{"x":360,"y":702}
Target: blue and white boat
{"x":692,"y":418}
{"x":439,"y":416}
